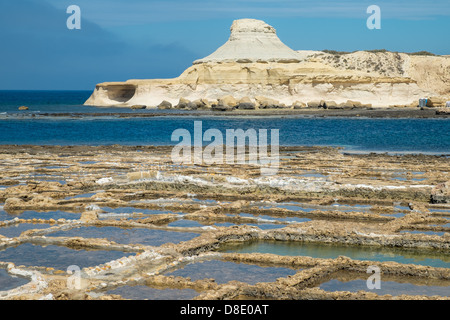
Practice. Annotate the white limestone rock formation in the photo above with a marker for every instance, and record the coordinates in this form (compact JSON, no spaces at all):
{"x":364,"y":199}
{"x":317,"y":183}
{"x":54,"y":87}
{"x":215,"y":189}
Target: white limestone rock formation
{"x":252,"y":41}
{"x":254,"y":62}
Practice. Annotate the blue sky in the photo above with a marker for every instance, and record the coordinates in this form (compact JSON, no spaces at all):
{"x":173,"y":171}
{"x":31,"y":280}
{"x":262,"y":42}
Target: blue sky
{"x":136,"y":39}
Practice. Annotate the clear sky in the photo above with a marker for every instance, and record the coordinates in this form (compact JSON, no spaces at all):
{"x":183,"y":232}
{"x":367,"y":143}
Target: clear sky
{"x":138,"y":39}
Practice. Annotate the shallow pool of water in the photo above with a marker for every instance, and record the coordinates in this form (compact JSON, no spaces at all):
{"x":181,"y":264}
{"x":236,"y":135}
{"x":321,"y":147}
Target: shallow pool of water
{"x":316,"y":250}
{"x":306,"y":207}
{"x":400,"y":178}
{"x":445,"y":225}
{"x":8,"y":282}
{"x":225,"y":271}
{"x":263,"y":222}
{"x":143,"y":236}
{"x":46,"y":215}
{"x":147,"y":293}
{"x":87,"y":162}
{"x":430,"y":233}
{"x":81,"y":196}
{"x":209,"y":202}
{"x":391,"y":287}
{"x":289,"y":206}
{"x":135,"y":210}
{"x":16,"y":229}
{"x":181,"y":223}
{"x":402,"y":208}
{"x":270,"y":219}
{"x":440,"y":211}
{"x":394,"y":215}
{"x":58,"y":257}
{"x":262,"y":226}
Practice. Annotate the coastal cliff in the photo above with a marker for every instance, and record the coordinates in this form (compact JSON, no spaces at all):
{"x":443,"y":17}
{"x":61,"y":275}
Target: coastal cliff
{"x":254,"y":63}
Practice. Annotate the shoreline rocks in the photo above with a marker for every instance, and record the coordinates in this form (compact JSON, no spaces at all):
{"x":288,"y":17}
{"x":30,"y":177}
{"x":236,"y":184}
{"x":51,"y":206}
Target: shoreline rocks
{"x":246,"y":104}
{"x":230,"y":103}
{"x":226,"y":103}
{"x":165,"y":105}
{"x":182,"y":104}
{"x":137,"y":107}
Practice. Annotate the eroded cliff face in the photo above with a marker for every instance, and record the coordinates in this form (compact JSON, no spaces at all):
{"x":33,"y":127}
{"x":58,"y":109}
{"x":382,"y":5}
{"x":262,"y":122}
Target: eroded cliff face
{"x":254,"y":62}
{"x":431,"y":73}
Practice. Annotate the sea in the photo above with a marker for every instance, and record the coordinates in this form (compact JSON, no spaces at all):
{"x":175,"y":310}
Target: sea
{"x":60,"y":118}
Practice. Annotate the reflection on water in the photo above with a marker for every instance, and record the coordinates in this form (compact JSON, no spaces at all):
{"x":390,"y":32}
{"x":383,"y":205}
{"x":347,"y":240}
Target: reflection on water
{"x":317,"y":250}
{"x":225,"y":271}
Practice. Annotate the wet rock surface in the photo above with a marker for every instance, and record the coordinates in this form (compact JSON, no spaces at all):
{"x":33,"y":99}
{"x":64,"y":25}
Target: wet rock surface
{"x":320,"y":196}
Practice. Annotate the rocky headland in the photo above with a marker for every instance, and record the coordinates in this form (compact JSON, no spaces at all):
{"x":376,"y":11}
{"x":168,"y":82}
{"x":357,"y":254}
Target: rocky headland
{"x":255,"y":70}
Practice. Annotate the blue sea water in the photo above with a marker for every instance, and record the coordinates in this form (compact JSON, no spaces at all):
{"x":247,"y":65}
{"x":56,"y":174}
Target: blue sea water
{"x":353,"y":134}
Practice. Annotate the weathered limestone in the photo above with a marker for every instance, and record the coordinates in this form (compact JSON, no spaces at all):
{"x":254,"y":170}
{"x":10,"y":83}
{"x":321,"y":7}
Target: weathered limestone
{"x":35,"y":200}
{"x":254,"y":63}
{"x":438,"y":102}
{"x":246,"y":104}
{"x":330,"y":105}
{"x":183,"y":103}
{"x":225,"y":103}
{"x":351,"y":104}
{"x":441,"y":193}
{"x":202,"y":104}
{"x":89,"y":216}
{"x":299,"y":105}
{"x":314,"y":104}
{"x":252,"y":41}
{"x":267,"y":103}
{"x":165,"y":105}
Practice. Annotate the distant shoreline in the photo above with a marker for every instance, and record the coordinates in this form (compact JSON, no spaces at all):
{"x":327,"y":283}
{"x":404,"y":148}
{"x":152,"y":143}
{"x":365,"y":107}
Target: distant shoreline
{"x":394,"y":113}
